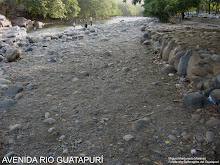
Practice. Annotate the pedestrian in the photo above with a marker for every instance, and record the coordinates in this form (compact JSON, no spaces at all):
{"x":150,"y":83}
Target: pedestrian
{"x":91,"y":21}
{"x":86,"y":25}
{"x":74,"y":25}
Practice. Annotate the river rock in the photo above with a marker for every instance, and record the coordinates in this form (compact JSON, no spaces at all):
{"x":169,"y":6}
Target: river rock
{"x":139,"y":124}
{"x":38,"y":24}
{"x":207,"y":92}
{"x":22,"y":22}
{"x":167,"y":50}
{"x":168,"y":69}
{"x":199,"y":71}
{"x":32,"y":39}
{"x":12,"y":54}
{"x":13,"y":90}
{"x":216,"y":70}
{"x":1,"y":58}
{"x":4,"y":22}
{"x":143,"y":28}
{"x":171,"y":137}
{"x":215,"y":58}
{"x":6,"y":103}
{"x":177,"y":58}
{"x":215,"y":83}
{"x":4,"y":81}
{"x":82,"y":74}
{"x":183,"y":64}
{"x":146,"y":35}
{"x":191,"y":64}
{"x":128,"y":137}
{"x":147,"y":42}
{"x":15,"y":127}
{"x":156,"y":47}
{"x":212,"y":122}
{"x":194,"y":101}
{"x":199,"y":139}
{"x":209,"y":136}
{"x":9,"y":155}
{"x":49,"y":121}
{"x":216,"y":95}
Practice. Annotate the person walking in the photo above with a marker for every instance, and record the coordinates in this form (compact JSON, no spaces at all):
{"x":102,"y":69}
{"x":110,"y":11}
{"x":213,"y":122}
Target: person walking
{"x":91,"y":21}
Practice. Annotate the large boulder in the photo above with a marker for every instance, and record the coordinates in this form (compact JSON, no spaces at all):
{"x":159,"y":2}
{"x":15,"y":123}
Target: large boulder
{"x":167,"y":50}
{"x":38,"y":24}
{"x":4,"y":22}
{"x":177,"y":58}
{"x":12,"y":54}
{"x":183,"y":63}
{"x":22,"y":22}
{"x":191,"y":64}
{"x":194,"y":101}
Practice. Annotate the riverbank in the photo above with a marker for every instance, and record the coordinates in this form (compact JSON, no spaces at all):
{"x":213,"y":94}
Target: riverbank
{"x":99,"y":91}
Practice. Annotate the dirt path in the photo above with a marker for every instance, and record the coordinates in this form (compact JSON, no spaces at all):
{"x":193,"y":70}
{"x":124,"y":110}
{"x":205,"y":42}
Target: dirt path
{"x":93,"y":90}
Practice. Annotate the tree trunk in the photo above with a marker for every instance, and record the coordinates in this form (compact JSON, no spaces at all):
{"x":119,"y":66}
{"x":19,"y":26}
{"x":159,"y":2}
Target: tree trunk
{"x":209,"y":7}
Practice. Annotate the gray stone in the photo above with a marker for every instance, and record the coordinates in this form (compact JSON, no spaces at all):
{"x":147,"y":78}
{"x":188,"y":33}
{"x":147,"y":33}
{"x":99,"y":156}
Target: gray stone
{"x":82,"y":74}
{"x":6,"y":103}
{"x":199,"y":138}
{"x":216,"y":95}
{"x":167,"y":50}
{"x":95,"y":111}
{"x":146,"y":35}
{"x":15,"y":127}
{"x":51,"y":129}
{"x":47,"y":115}
{"x":159,"y":153}
{"x":12,"y":54}
{"x":146,"y":42}
{"x":194,"y":101}
{"x":215,"y":58}
{"x":18,"y":96}
{"x":168,"y":69}
{"x":171,"y":137}
{"x":13,"y":90}
{"x":177,"y":58}
{"x":30,"y":87}
{"x":195,"y":117}
{"x":10,"y":154}
{"x":106,"y":54}
{"x":146,"y":160}
{"x":49,"y":121}
{"x":209,"y":136}
{"x":207,"y":92}
{"x":62,"y":137}
{"x":183,"y":63}
{"x":215,"y":83}
{"x":139,"y":124}
{"x":128,"y":137}
{"x":4,"y":81}
{"x":212,"y":122}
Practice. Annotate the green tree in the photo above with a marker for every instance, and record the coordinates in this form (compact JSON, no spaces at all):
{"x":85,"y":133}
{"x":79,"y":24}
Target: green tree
{"x":127,"y":9}
{"x":98,"y":8}
{"x":164,"y":9}
{"x":72,"y":8}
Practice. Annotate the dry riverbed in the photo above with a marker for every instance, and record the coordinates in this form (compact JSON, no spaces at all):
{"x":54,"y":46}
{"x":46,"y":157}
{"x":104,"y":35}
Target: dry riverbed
{"x":99,"y":93}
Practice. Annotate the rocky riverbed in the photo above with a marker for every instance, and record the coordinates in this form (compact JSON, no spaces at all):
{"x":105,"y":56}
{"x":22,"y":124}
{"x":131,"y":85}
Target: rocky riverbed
{"x":100,"y":91}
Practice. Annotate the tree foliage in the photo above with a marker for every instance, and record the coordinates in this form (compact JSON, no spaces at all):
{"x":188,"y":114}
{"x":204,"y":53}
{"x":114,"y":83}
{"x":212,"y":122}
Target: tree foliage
{"x":164,"y":9}
{"x":72,"y":8}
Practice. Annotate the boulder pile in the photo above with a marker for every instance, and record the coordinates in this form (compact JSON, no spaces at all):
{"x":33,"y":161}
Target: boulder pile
{"x":187,"y":51}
